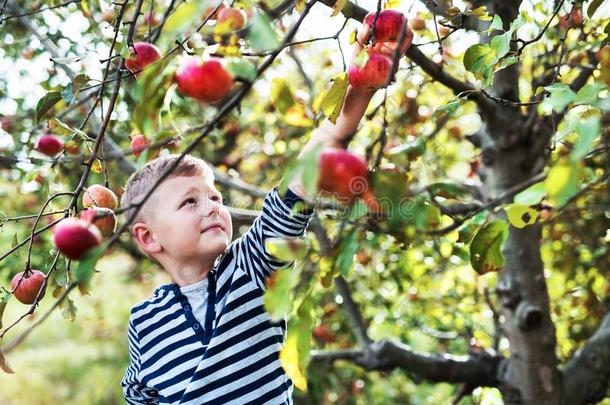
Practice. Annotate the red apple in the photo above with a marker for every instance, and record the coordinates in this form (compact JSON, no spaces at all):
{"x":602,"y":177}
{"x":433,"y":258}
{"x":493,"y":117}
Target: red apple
{"x":345,"y":175}
{"x":323,"y":334}
{"x":25,"y":286}
{"x":100,"y":196}
{"x":75,"y":237}
{"x":388,"y":24}
{"x":7,"y":123}
{"x":374,"y":74}
{"x":138,"y":144}
{"x":573,"y":19}
{"x":143,"y":54}
{"x":205,"y":81}
{"x":232,"y":17}
{"x":151,"y":18}
{"x":103,"y":218}
{"x":49,"y":145}
{"x":210,"y":10}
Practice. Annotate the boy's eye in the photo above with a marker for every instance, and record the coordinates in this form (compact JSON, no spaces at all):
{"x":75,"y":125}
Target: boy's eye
{"x":217,"y":198}
{"x":188,"y":200}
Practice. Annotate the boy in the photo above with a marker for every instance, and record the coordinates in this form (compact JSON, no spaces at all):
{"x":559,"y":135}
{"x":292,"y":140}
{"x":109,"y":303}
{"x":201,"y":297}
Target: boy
{"x":206,"y":338}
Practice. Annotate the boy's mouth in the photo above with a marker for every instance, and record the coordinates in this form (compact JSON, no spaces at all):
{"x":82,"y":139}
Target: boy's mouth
{"x":213,"y":227}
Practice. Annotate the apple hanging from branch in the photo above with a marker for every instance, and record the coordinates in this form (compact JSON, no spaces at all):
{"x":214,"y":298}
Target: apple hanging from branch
{"x":103,"y":218}
{"x":100,"y":196}
{"x":206,"y":81}
{"x":138,"y":144}
{"x":345,"y":175}
{"x":49,"y":145}
{"x":74,"y":237}
{"x":26,"y":284}
{"x":142,"y":55}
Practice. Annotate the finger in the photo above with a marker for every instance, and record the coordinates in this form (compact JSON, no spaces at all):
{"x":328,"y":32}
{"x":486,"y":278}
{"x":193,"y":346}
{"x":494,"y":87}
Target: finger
{"x":363,"y":34}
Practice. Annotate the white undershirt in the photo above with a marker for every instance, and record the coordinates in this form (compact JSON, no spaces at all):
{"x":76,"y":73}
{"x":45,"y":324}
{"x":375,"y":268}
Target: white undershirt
{"x":197,"y":295}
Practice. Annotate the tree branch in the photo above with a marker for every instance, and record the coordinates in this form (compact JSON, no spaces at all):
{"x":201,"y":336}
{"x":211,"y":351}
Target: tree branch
{"x":478,"y":369}
{"x":587,"y":374}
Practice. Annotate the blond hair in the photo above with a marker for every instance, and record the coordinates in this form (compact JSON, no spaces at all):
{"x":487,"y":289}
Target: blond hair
{"x":140,"y":182}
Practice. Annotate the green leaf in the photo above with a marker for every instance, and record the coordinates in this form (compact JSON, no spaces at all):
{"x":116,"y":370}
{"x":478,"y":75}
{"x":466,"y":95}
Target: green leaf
{"x":593,"y":7}
{"x":4,"y":297}
{"x":496,"y":24}
{"x":407,"y":152}
{"x":470,"y":227}
{"x":516,"y":24}
{"x":560,"y":96}
{"x":46,"y":103}
{"x":477,"y":57}
{"x":427,"y":215}
{"x":520,"y":215}
{"x":67,"y":94}
{"x":562,"y":181}
{"x":261,"y":34}
{"x":79,"y":81}
{"x":278,"y":294}
{"x":506,"y":62}
{"x":447,"y":190}
{"x":587,"y":129}
{"x":242,"y":68}
{"x":391,"y":186}
{"x":183,"y":16}
{"x":281,"y":95}
{"x":589,"y":94}
{"x":531,"y":195}
{"x":450,"y":108}
{"x":86,"y":265}
{"x":333,"y":99}
{"x":287,"y":249}
{"x":500,"y":44}
{"x":347,"y":250}
{"x":307,"y":167}
{"x":61,"y":128}
{"x":150,"y":90}
{"x":68,"y":309}
{"x":486,"y":247}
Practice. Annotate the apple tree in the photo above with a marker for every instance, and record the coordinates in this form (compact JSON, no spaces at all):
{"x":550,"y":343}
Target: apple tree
{"x":470,"y":265}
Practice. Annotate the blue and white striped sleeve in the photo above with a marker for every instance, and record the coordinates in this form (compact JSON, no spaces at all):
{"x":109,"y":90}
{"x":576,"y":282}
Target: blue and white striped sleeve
{"x":279,"y":219}
{"x":134,"y":391}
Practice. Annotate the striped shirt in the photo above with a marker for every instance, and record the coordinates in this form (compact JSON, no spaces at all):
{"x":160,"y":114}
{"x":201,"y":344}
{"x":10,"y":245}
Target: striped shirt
{"x":233,"y":358}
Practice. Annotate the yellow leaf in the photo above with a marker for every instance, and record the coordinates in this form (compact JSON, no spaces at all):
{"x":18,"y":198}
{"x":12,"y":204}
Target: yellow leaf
{"x":353,"y":36}
{"x":300,"y":5}
{"x":281,"y":95}
{"x":289,"y":357}
{"x":338,"y":7}
{"x":96,"y":167}
{"x":287,"y":249}
{"x":333,"y":99}
{"x":520,"y":215}
{"x":297,"y":117}
{"x":7,"y":369}
{"x":392,"y":4}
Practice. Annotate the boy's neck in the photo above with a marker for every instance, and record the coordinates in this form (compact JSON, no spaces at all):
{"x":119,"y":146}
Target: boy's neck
{"x":188,"y":279}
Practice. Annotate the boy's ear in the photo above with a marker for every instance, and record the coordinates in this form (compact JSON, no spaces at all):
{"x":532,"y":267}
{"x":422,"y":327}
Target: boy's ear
{"x":145,"y":238}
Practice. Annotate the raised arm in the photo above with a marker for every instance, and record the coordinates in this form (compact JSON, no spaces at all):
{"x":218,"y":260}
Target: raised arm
{"x":354,"y":106}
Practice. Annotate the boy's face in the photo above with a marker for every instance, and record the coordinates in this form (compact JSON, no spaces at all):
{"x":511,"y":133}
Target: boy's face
{"x":185,"y":209}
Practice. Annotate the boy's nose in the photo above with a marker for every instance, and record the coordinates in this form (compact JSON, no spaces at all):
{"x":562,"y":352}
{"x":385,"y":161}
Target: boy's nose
{"x":209,"y":208}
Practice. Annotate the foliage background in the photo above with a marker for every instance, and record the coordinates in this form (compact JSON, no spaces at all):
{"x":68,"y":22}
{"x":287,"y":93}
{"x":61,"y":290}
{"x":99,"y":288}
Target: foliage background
{"x":427,"y":296}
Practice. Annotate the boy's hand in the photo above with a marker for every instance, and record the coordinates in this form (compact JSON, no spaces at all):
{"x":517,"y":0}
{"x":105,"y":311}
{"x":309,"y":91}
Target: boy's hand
{"x":387,"y":48}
